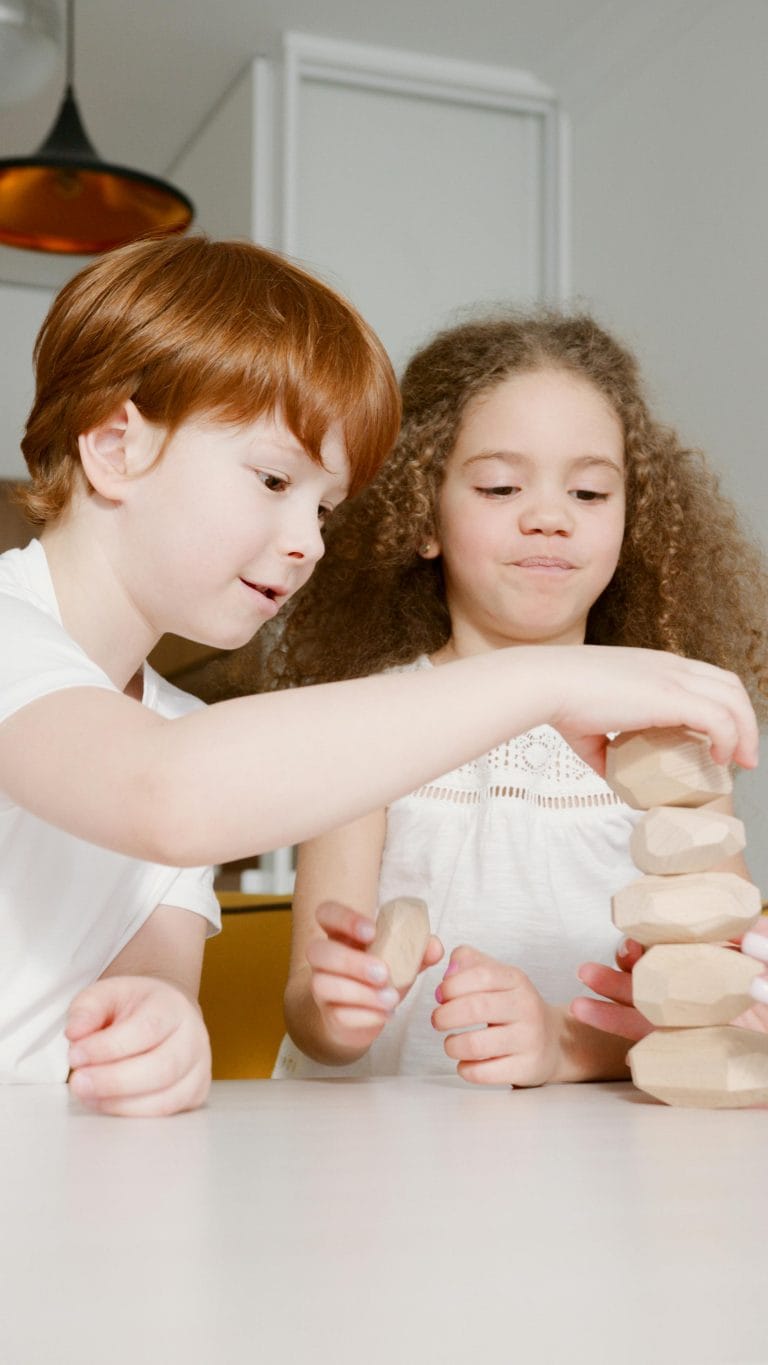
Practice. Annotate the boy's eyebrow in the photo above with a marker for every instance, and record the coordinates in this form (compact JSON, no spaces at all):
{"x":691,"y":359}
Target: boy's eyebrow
{"x":516,"y":457}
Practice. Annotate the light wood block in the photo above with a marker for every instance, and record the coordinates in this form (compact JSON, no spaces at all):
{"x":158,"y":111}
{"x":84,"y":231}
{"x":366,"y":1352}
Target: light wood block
{"x":708,"y":1068}
{"x":692,"y":985}
{"x":672,"y":839}
{"x":402,"y":934}
{"x":696,"y":907}
{"x":664,"y":768}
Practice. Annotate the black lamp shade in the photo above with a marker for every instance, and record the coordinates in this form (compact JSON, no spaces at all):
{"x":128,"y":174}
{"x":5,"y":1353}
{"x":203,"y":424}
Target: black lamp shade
{"x":64,"y":199}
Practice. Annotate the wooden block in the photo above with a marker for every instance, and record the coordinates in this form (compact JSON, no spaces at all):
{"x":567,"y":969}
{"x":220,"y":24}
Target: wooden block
{"x":664,"y":768}
{"x":672,"y":839}
{"x":707,"y":1068}
{"x":690,"y":985}
{"x":402,"y":933}
{"x":696,"y":907}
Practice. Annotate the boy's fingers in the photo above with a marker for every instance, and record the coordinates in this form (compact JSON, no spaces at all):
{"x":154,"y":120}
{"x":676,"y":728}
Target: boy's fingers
{"x":136,"y":1034}
{"x":160,"y":1069}
{"x":343,"y":922}
{"x":187,"y":1093}
{"x":327,"y":955}
{"x":341,"y":990}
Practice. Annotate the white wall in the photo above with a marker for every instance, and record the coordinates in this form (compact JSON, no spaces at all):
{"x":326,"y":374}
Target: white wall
{"x":22,"y":310}
{"x":670,"y":204}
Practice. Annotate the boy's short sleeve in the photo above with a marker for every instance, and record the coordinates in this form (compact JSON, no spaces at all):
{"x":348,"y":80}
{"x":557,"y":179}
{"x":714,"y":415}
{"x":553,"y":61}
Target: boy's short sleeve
{"x":193,"y":890}
{"x":38,"y":657}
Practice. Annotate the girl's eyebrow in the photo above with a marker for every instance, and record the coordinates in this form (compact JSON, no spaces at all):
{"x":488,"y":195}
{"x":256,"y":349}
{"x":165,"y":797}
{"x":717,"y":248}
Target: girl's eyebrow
{"x":516,"y":457}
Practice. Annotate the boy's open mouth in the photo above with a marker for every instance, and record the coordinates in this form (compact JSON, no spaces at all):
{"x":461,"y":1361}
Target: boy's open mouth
{"x":273,"y":594}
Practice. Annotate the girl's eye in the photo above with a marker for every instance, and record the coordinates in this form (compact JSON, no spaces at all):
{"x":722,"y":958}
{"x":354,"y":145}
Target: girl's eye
{"x":323,"y":514}
{"x":589,"y":495}
{"x":500,"y":491}
{"x":273,"y":482}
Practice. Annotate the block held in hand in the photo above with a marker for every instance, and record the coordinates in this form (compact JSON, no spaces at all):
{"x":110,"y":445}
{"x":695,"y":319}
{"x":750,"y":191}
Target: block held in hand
{"x":402,"y":934}
{"x":664,"y":768}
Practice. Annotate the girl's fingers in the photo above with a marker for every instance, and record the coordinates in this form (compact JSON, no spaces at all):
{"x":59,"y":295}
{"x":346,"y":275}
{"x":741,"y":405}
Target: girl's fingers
{"x":329,"y":990}
{"x":432,"y":953}
{"x":614,"y":985}
{"x":359,"y":1019}
{"x":628,"y":954}
{"x":622,"y":1020}
{"x":486,"y":975}
{"x":341,"y":922}
{"x":327,"y":955}
{"x":491,"y":1007}
{"x":481,"y":1044}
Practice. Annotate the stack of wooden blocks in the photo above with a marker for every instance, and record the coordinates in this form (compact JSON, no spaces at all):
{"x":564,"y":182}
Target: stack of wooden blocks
{"x":688,"y":984}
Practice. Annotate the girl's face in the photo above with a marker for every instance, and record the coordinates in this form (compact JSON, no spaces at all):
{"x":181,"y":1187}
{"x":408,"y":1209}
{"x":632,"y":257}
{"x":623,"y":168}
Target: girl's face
{"x":531,"y":512}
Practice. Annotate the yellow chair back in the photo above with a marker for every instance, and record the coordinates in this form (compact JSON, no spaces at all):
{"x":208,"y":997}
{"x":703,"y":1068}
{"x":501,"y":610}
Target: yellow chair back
{"x":245,"y":968}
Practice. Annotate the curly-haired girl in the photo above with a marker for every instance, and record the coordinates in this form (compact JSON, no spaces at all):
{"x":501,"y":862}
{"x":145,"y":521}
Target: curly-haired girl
{"x":532,"y":499}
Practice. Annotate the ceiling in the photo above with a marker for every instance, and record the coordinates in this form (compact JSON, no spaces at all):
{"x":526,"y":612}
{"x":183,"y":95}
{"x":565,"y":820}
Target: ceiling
{"x":148,"y":72}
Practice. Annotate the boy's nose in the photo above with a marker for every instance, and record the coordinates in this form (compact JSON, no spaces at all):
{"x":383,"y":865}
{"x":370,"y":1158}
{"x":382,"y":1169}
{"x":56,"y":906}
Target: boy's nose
{"x":303,"y":542}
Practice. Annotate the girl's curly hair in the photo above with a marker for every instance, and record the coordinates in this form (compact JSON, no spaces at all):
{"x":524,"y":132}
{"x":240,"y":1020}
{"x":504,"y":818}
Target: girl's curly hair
{"x":689,"y":579}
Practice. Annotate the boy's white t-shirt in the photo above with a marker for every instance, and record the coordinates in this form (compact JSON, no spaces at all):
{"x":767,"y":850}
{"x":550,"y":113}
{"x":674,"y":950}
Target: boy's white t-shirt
{"x":516,"y":853}
{"x":67,"y":907}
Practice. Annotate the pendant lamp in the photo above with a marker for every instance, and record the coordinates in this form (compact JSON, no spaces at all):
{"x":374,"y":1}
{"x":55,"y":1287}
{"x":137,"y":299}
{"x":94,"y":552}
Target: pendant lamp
{"x":65,"y":199}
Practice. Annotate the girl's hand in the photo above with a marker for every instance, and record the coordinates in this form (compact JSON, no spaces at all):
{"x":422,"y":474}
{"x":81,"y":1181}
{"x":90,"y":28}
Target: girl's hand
{"x":516,"y":1038}
{"x":139,"y":1048}
{"x":350,"y":986}
{"x":616,"y":1013}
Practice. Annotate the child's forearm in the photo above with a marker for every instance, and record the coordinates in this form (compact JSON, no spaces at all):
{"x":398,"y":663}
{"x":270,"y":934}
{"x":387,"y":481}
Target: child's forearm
{"x":588,"y":1054}
{"x":263,"y":772}
{"x":310,"y":1031}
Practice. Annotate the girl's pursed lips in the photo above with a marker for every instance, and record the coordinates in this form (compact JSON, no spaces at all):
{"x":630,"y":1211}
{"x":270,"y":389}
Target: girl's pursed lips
{"x":542,"y":562}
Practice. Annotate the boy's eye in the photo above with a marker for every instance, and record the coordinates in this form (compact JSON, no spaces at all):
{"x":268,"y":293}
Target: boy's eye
{"x":273,"y":482}
{"x":589,"y":495}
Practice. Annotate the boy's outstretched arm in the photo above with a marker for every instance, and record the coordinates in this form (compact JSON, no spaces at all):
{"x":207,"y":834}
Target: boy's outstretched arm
{"x":139,"y":1046}
{"x":262,"y":772}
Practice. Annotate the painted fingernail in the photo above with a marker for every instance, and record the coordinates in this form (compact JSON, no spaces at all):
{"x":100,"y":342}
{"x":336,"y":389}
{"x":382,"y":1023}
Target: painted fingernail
{"x":388,"y":997}
{"x":77,"y":1056}
{"x":376,"y":972}
{"x":366,"y":931}
{"x":439,"y":996}
{"x":451,"y":969}
{"x":82,"y":1083}
{"x":756,"y":945}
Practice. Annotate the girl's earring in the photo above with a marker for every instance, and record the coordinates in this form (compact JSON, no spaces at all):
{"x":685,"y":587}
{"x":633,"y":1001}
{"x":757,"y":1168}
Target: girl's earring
{"x":425,"y":548}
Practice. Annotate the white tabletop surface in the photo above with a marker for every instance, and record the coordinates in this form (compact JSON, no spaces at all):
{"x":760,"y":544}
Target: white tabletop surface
{"x":319,"y":1222}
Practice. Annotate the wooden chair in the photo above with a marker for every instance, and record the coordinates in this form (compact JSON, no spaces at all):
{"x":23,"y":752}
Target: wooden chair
{"x":241,"y":994}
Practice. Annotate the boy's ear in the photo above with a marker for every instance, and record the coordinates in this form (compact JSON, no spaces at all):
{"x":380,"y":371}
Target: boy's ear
{"x":120,"y":447}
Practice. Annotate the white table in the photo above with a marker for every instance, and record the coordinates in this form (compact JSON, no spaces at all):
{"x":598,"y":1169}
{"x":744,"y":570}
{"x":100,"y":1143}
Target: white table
{"x":391,"y":1221}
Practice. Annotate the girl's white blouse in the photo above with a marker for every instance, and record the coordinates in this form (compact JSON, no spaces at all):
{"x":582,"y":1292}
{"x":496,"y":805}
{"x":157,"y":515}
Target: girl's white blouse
{"x":518,"y":854}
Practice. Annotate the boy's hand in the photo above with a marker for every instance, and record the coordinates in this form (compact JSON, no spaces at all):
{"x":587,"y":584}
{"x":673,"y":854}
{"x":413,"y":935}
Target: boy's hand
{"x":616,"y":1013}
{"x":521,"y":1043}
{"x":139,"y":1048}
{"x":350,"y":987}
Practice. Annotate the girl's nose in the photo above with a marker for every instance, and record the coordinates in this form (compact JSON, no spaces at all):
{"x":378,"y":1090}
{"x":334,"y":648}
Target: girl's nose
{"x":547,"y":516}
